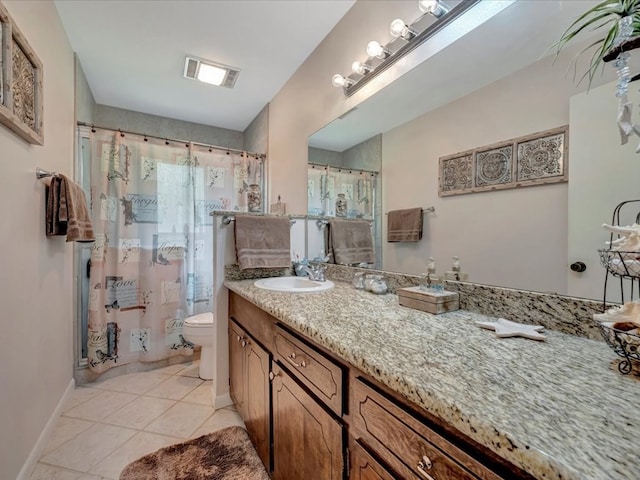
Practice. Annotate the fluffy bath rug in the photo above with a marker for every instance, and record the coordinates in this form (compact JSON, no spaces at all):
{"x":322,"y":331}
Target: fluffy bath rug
{"x":223,"y":455}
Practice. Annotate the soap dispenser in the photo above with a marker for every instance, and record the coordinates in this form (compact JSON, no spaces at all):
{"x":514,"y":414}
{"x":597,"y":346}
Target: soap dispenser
{"x":428,"y":278}
{"x":456,"y":273}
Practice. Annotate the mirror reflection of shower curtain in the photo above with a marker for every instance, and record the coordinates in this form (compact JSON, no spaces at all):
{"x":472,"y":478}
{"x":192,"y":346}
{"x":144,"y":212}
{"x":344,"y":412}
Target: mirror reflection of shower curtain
{"x":152,"y":262}
{"x":324,"y":184}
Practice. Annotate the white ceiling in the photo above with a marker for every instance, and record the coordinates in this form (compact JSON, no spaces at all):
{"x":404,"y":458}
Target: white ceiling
{"x":133,"y":52}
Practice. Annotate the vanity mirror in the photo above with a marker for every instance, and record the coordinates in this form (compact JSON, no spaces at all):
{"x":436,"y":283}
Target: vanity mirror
{"x":523,"y":238}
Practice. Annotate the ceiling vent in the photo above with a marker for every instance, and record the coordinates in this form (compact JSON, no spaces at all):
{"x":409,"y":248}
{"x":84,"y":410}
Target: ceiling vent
{"x":210,"y":72}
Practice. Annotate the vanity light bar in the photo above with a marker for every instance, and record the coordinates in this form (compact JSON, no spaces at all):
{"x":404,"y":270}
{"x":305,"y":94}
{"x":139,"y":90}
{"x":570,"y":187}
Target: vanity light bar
{"x":442,"y":14}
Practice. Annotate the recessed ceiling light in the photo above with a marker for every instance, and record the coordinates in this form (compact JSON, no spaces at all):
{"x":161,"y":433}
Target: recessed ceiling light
{"x":210,"y":72}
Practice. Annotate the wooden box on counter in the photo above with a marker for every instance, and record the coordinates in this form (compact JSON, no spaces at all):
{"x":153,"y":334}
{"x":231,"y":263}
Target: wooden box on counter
{"x":428,"y":301}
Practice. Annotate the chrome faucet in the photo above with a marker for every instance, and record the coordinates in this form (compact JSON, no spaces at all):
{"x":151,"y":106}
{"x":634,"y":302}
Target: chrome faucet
{"x":315,"y":271}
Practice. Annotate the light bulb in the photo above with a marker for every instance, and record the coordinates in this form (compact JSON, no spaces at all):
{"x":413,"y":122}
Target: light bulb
{"x":360,"y":68}
{"x":374,"y":49}
{"x":400,"y":29}
{"x":339,"y":81}
{"x":433,"y":7}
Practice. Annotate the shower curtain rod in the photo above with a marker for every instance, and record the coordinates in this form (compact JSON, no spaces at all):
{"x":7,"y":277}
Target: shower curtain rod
{"x":373,"y":172}
{"x":176,"y":140}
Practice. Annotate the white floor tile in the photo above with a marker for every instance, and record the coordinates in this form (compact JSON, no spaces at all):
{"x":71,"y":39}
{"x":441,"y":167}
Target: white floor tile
{"x":66,"y":428}
{"x":192,"y":370}
{"x":101,"y":406}
{"x":79,"y":395}
{"x":140,"y":412}
{"x":139,"y":445}
{"x":88,"y":448}
{"x":175,"y":387}
{"x":172,"y":369}
{"x":201,"y":395}
{"x":223,"y":418}
{"x":49,"y":472}
{"x":137,"y":383}
{"x":181,"y":420}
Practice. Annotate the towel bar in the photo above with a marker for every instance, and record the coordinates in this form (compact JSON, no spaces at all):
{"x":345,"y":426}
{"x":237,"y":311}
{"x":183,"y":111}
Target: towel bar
{"x":322,"y":223}
{"x":227,"y":219}
{"x":424,"y":210}
{"x":42,"y":173}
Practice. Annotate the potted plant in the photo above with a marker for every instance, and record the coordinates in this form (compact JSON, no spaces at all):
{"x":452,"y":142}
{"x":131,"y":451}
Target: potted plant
{"x":618,"y":20}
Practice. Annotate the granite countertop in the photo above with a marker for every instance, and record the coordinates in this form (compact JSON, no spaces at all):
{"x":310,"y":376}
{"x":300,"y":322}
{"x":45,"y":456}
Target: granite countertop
{"x":556,"y":408}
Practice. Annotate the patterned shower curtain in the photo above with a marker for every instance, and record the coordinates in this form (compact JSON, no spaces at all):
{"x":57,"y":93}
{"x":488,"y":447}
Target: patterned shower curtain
{"x":152,"y":262}
{"x":324,"y":184}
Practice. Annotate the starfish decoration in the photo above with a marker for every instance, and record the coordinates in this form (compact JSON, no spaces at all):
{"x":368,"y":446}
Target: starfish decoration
{"x":506,"y":328}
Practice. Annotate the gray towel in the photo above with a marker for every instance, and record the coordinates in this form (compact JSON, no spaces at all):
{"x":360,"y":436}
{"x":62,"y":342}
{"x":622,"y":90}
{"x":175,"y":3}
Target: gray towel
{"x":351,"y":242}
{"x":67,"y":212}
{"x":404,"y":225}
{"x":262,"y":242}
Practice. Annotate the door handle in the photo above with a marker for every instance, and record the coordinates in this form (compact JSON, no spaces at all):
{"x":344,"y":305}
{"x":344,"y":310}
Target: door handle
{"x":424,"y":465}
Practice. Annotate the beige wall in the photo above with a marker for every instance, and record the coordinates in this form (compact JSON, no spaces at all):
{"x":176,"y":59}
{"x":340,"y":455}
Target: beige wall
{"x":36,"y":295}
{"x":308,"y":101}
{"x":603,"y":174}
{"x":515,"y":238}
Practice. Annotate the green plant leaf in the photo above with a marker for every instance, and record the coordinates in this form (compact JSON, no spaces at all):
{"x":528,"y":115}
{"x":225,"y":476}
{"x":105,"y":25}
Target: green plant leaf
{"x":604,"y":15}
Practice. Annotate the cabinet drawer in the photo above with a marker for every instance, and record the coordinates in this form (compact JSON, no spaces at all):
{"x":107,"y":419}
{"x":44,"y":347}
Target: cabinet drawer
{"x":254,"y":320}
{"x":406,"y":444}
{"x":317,"y":372}
{"x":364,"y":466}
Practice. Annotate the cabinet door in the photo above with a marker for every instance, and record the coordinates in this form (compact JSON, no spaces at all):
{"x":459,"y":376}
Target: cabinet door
{"x":365,"y":467}
{"x":307,"y":440}
{"x":236,"y":365}
{"x":256,"y":402}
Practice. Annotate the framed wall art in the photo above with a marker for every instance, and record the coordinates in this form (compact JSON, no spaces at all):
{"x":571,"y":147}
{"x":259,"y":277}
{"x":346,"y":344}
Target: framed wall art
{"x":456,"y":173}
{"x":21,"y":106}
{"x":535,"y":159}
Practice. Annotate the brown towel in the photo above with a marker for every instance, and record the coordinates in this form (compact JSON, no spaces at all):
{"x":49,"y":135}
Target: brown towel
{"x":351,"y":242}
{"x":404,"y":225}
{"x":262,"y":242}
{"x":67,"y":211}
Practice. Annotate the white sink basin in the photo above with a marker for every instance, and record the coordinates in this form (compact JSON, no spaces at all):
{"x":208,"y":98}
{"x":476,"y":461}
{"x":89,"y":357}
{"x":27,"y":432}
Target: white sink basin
{"x":293,"y":284}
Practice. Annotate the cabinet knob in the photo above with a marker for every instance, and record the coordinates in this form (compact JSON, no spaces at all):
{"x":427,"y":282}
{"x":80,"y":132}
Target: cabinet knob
{"x":424,"y":465}
{"x":578,"y":267}
{"x":272,"y":375}
{"x":243,"y":343}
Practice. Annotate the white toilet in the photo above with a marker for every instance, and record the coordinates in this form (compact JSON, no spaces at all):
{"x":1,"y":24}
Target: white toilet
{"x":199,"y":331}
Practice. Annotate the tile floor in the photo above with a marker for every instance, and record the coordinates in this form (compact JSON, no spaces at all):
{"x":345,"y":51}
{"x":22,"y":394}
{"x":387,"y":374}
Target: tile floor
{"x":107,"y":424}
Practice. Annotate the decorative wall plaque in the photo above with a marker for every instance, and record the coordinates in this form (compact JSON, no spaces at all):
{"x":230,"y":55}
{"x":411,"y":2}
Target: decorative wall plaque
{"x":541,"y":158}
{"x":531,"y":160}
{"x":494,"y":166}
{"x":20,"y":83}
{"x":456,"y":173}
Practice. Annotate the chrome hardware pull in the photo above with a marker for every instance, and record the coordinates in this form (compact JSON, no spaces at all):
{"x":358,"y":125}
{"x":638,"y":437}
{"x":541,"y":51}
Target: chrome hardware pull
{"x":244,"y":343}
{"x":424,"y":465}
{"x":238,"y":338}
{"x":290,"y":359}
{"x":272,"y":376}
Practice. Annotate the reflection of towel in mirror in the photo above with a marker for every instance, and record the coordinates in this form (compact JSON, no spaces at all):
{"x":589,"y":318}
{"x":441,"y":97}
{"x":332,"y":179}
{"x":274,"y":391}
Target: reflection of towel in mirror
{"x":404,"y":225}
{"x":67,"y":212}
{"x":262,"y":241}
{"x":351,"y":242}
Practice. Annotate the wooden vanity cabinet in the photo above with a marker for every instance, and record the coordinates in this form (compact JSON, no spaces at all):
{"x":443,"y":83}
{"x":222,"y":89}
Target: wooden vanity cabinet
{"x":307,"y":440}
{"x":296,"y":435}
{"x":249,"y":385}
{"x":302,"y":418}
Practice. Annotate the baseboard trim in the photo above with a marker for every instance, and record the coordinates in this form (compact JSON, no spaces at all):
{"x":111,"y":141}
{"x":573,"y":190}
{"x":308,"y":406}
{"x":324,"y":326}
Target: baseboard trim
{"x":43,"y":439}
{"x":222,"y":401}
